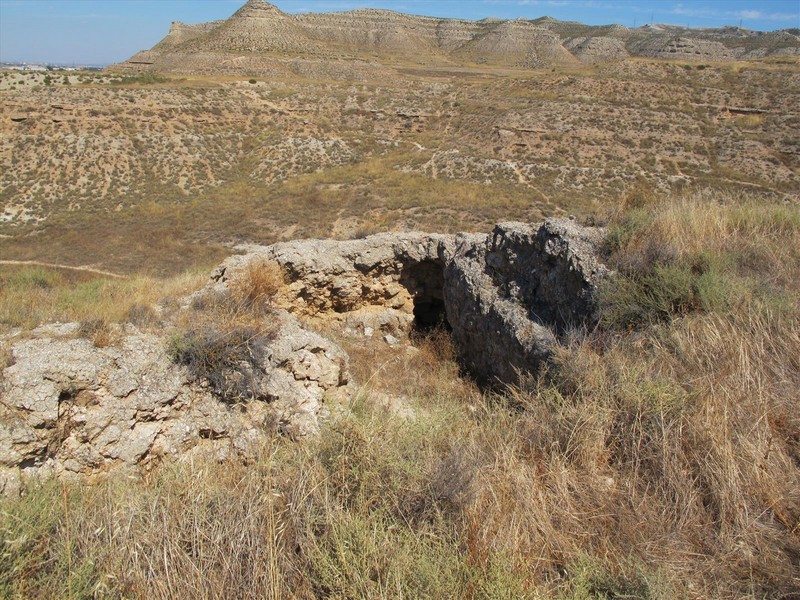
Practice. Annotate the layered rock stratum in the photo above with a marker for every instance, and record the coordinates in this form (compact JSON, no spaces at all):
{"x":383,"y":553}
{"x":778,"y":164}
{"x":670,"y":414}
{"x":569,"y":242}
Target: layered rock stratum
{"x":258,"y":32}
{"x":70,"y":407}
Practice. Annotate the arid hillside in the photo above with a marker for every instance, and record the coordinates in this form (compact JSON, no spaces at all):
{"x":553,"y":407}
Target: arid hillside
{"x":253,"y":38}
{"x":111,"y":170}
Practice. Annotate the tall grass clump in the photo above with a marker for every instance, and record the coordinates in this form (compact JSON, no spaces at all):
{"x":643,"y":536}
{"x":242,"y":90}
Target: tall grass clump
{"x":707,"y":253}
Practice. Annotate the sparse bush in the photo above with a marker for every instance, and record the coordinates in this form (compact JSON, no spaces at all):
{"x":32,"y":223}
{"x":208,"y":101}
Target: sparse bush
{"x":141,"y":315}
{"x":34,"y":278}
{"x":224,"y":341}
{"x":231,"y":359}
{"x":139,"y":79}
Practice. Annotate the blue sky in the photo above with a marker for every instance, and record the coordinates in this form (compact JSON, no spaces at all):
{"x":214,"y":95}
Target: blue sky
{"x":106,"y":31}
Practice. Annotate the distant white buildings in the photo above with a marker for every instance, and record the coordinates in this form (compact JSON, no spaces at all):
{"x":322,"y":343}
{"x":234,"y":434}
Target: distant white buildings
{"x":37,"y":67}
{"x":29,"y":68}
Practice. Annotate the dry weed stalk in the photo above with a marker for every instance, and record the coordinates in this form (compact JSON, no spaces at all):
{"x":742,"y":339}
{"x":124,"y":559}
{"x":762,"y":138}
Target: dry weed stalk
{"x":258,"y":284}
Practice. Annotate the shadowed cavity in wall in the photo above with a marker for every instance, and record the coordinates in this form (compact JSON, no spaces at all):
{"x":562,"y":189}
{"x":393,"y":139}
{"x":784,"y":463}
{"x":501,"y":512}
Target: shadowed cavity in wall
{"x":425,"y":282}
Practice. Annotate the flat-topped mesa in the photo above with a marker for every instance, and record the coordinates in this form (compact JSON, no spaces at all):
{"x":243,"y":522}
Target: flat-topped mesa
{"x":259,"y":28}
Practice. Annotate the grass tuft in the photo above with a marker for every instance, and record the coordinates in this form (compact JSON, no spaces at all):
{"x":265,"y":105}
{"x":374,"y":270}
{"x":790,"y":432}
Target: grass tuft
{"x":30,"y":297}
{"x":257,"y":286}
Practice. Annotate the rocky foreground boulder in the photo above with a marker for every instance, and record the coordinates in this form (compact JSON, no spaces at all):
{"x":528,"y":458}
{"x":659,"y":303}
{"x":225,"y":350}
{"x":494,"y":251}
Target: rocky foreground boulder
{"x":71,"y":407}
{"x":504,"y":297}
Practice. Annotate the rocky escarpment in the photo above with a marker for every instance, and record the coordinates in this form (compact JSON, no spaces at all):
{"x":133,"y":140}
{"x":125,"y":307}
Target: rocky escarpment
{"x":685,"y":48}
{"x":597,"y":49}
{"x":259,"y":27}
{"x":72,"y":407}
{"x":180,"y":33}
{"x":511,"y":295}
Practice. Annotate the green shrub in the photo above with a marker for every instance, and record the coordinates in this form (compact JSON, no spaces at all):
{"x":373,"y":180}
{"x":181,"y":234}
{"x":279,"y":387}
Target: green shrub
{"x":591,"y":580}
{"x":139,"y":78}
{"x":32,"y":563}
{"x":32,"y":278}
{"x":689,"y":256}
{"x":628,"y":300}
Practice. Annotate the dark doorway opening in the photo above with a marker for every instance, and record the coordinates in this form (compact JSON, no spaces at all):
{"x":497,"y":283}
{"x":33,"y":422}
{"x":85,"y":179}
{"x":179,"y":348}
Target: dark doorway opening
{"x":429,"y":314}
{"x":425,"y":282}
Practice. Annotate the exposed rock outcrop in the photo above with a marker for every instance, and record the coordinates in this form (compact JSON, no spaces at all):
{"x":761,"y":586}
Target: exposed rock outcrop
{"x":505,"y":296}
{"x":509,"y":297}
{"x":685,"y":48}
{"x":372,"y":282}
{"x":238,"y":44}
{"x":70,"y":408}
{"x":597,"y":49}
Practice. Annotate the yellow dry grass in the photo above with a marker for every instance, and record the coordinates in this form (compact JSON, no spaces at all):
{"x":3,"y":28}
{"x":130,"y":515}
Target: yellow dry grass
{"x":653,"y":462}
{"x":258,"y":284}
{"x":32,"y":296}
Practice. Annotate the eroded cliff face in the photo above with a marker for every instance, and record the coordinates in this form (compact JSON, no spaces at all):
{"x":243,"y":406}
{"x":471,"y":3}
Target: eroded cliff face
{"x":70,"y":408}
{"x":259,"y":27}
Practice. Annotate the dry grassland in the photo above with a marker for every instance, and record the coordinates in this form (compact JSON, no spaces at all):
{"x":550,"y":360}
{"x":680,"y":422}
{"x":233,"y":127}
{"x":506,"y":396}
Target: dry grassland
{"x":657,"y":457}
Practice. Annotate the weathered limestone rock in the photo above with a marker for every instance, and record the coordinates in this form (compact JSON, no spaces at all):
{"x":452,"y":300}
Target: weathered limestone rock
{"x":509,"y":297}
{"x":70,"y":408}
{"x":371,"y":283}
{"x":505,"y":296}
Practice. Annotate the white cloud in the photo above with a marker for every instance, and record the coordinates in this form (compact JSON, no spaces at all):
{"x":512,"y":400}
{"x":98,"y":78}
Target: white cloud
{"x":753,"y":15}
{"x":685,"y":11}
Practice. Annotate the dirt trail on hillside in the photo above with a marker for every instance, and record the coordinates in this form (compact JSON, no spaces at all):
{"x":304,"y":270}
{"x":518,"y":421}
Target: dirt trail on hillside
{"x":36,"y":263}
